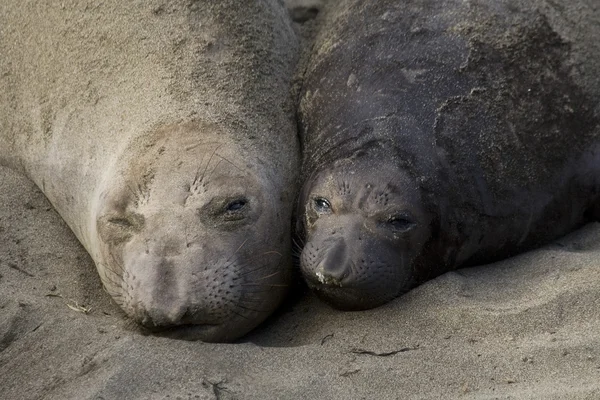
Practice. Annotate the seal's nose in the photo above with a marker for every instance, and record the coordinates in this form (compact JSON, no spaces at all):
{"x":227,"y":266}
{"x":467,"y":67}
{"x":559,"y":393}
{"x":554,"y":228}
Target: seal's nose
{"x":156,"y":318}
{"x":334,"y":268}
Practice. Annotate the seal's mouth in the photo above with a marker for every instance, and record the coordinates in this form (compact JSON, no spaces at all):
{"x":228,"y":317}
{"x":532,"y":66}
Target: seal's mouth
{"x":349,"y":298}
{"x":190,"y":332}
{"x":328,"y":280}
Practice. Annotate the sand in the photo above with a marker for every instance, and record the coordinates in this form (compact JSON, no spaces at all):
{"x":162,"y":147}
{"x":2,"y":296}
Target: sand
{"x":524,"y":328}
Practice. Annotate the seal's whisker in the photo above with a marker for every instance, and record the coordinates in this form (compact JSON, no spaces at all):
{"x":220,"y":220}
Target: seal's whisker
{"x":235,"y":166}
{"x":259,"y":291}
{"x":104,"y":269}
{"x":248,"y":260}
{"x":239,"y":248}
{"x":116,"y":262}
{"x":228,"y":262}
{"x":209,"y":161}
{"x":115,"y":295}
{"x":249,"y":308}
{"x":251,"y":271}
{"x":110,"y":279}
{"x":196,"y":177}
{"x":271,"y":252}
{"x":214,"y":169}
{"x":118,"y":270}
{"x":298,"y":242}
{"x":297,"y":252}
{"x":131,"y":190}
{"x":297,"y":249}
{"x":297,"y":261}
{"x":258,"y":300}
{"x":265,"y":284}
{"x":116,"y":276}
{"x":239,"y":315}
{"x":267,"y":276}
{"x":198,"y":144}
{"x":266,"y":253}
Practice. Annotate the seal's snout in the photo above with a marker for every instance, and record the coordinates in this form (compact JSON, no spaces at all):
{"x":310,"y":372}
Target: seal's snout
{"x":195,"y":293}
{"x":353,"y":266}
{"x":156,"y":319}
{"x":160,"y":308}
{"x":333,"y":268}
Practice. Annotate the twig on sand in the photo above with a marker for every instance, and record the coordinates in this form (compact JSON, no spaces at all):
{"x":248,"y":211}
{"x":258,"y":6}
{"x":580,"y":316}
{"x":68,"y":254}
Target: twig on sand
{"x":75,"y":306}
{"x":79,"y":308}
{"x":384,"y":354}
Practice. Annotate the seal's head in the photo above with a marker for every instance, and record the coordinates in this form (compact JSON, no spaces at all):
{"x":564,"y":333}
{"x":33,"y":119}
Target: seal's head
{"x":364,"y":227}
{"x":192,"y":235}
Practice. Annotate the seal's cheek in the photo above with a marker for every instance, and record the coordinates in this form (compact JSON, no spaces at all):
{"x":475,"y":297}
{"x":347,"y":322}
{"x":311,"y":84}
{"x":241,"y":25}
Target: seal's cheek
{"x":118,"y":228}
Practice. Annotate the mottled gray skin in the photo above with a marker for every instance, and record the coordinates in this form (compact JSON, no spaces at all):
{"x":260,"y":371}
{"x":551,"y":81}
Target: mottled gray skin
{"x":440,"y":134}
{"x":163,"y":134}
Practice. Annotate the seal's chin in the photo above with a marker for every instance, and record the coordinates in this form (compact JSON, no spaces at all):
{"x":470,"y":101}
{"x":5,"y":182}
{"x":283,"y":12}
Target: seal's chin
{"x":205,"y":333}
{"x":351,"y":298}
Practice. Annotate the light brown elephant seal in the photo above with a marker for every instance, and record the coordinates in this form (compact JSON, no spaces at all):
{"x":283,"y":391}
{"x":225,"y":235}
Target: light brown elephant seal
{"x":441,"y":134}
{"x":163,"y":134}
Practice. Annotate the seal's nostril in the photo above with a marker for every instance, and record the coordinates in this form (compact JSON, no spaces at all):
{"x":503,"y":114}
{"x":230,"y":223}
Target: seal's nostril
{"x":156,"y":320}
{"x":185,"y":317}
{"x":331,"y":274}
{"x":143,"y":318}
{"x":333,"y":267}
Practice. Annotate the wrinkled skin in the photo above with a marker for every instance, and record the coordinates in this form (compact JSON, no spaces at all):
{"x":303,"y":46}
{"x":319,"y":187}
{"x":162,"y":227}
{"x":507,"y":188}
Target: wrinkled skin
{"x":358,"y":222}
{"x":177,"y":240}
{"x":163,"y":134}
{"x":443,"y":134}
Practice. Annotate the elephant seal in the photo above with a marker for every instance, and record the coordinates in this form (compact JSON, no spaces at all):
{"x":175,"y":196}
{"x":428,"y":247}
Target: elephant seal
{"x":164,"y":135}
{"x":441,"y":134}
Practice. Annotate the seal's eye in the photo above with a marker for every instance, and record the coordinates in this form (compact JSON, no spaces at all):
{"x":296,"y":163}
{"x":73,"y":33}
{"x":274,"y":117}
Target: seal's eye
{"x":120,"y":222}
{"x":322,"y":205}
{"x":119,"y":227}
{"x":236,"y":205}
{"x":400,"y":223}
{"x":235,"y":210}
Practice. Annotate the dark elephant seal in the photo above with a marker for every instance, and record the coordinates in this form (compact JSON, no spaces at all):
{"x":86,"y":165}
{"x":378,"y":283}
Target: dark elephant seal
{"x":441,"y":134}
{"x":163,"y":134}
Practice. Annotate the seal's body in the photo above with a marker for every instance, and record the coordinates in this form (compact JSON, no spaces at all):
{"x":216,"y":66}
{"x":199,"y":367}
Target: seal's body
{"x":163,"y":134}
{"x":440,"y":134}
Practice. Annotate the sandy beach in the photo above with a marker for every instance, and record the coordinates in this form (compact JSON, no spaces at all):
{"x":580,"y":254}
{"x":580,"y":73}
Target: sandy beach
{"x":524,"y":328}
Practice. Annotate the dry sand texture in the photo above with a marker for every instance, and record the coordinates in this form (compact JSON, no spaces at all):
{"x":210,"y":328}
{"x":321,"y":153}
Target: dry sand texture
{"x":524,"y":328}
